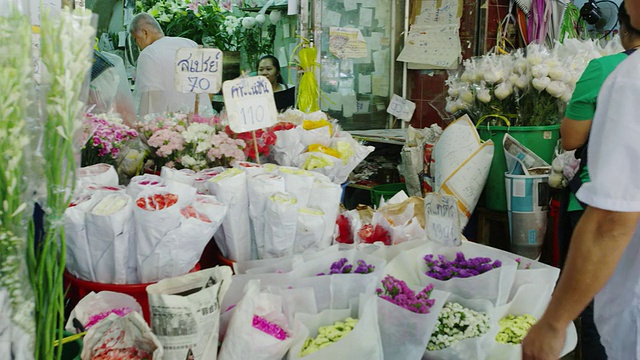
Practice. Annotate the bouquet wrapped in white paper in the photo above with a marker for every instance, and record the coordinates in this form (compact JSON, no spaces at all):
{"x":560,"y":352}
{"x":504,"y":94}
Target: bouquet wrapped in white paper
{"x":234,"y":237}
{"x":258,"y":328}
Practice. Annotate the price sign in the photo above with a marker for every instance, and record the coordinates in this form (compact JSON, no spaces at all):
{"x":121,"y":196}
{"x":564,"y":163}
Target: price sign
{"x":198,"y":70}
{"x":401,"y":108}
{"x":442,"y":221}
{"x":249,"y":103}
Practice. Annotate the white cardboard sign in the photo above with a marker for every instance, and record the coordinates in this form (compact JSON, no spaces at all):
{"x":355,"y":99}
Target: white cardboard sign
{"x":442,"y":219}
{"x":401,"y":108}
{"x":250,"y":104}
{"x":198,"y":70}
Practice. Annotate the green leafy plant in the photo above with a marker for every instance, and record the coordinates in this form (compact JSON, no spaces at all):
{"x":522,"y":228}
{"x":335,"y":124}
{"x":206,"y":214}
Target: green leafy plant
{"x":217,"y":24}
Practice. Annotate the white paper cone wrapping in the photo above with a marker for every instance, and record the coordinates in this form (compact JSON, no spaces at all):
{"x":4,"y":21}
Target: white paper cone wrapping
{"x":98,"y":303}
{"x":326,"y":196}
{"x":472,"y":348}
{"x":281,"y":219}
{"x":288,"y":146}
{"x":345,"y":144}
{"x":363,"y":342}
{"x":110,"y":234}
{"x":101,"y":174}
{"x":114,"y":332}
{"x":405,"y":334}
{"x":203,"y":176}
{"x":230,"y":187}
{"x":153,"y":225}
{"x":185,"y":176}
{"x":260,"y":187}
{"x":252,"y":169}
{"x":298,"y":183}
{"x":180,"y":250}
{"x":309,"y":230}
{"x":321,"y":135}
{"x":145,"y":181}
{"x":78,"y":253}
{"x":242,"y":340}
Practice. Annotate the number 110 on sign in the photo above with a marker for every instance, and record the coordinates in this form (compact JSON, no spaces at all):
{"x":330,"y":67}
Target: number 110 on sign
{"x":253,"y":114}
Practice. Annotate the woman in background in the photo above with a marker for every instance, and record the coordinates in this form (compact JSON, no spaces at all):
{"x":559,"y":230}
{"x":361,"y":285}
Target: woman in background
{"x":284,"y":96}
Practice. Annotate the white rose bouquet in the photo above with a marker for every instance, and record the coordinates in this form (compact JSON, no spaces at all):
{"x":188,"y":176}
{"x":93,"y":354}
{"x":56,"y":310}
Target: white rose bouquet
{"x":529,"y":87}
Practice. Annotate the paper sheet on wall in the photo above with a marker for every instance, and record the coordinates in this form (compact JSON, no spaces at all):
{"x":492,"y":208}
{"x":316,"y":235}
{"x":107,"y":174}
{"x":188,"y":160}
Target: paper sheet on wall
{"x":349,"y":105}
{"x":380,"y":84}
{"x":292,"y":8}
{"x":375,"y":41}
{"x":366,"y":15}
{"x":380,"y":60}
{"x":347,"y":43}
{"x":364,"y":84}
{"x":432,"y":45}
{"x":332,"y":18}
{"x":383,"y":10}
{"x":350,"y":5}
{"x":368,"y":3}
{"x":431,"y":14}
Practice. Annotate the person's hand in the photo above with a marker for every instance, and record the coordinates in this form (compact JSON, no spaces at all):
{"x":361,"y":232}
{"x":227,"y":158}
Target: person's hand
{"x":543,"y":342}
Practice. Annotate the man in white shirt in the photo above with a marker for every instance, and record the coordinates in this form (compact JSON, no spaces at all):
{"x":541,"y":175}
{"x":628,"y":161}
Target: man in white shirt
{"x":604,"y":255}
{"x":155,"y":89}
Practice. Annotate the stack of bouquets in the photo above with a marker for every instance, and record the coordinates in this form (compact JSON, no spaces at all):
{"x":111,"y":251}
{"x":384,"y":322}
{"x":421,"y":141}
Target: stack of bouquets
{"x":320,"y":146}
{"x":152,"y":229}
{"x":275,"y":210}
{"x":398,"y":221}
{"x":471,"y":270}
{"x":535,"y":84}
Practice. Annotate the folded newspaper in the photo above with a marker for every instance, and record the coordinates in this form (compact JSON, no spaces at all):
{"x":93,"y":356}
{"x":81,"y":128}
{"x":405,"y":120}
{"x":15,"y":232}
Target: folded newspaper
{"x":521,"y":160}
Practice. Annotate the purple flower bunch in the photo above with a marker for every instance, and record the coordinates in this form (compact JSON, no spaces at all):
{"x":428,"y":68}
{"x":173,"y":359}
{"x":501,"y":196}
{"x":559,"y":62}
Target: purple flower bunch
{"x":342,"y":266}
{"x":105,"y":135}
{"x":268,"y":327}
{"x":443,"y":269}
{"x":397,"y":292}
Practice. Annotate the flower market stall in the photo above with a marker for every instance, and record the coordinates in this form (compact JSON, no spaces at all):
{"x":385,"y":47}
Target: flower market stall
{"x":131,"y":209}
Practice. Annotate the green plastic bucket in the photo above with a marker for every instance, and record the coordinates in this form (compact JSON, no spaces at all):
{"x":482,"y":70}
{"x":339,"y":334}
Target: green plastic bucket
{"x":541,"y":140}
{"x":387,"y":190}
{"x":71,"y":350}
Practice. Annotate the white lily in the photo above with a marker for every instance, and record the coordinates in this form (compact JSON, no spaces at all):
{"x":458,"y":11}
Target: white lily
{"x":503,"y":90}
{"x":556,"y":88}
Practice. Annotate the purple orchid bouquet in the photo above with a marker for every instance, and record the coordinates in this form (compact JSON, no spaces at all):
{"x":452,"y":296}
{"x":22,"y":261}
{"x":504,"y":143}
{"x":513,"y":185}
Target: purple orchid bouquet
{"x":441,"y":268}
{"x":397,"y":292}
{"x":342,"y":266}
{"x":105,"y":136}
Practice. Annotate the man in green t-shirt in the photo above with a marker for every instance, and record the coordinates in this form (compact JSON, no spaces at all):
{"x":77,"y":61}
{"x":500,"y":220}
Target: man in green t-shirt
{"x":574,"y":131}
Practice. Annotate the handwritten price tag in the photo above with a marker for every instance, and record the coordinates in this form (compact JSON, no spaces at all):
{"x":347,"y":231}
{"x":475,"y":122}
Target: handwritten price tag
{"x":401,"y":108}
{"x":198,"y":70}
{"x":442,"y":221}
{"x":250,"y":104}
